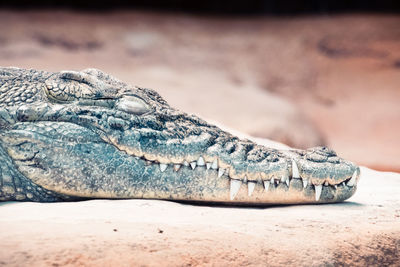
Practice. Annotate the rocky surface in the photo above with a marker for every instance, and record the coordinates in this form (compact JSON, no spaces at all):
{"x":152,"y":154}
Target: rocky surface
{"x":360,"y":232}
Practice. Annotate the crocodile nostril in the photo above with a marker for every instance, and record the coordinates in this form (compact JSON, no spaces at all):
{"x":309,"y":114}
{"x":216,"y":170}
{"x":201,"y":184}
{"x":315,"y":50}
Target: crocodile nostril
{"x":317,"y":157}
{"x":326,"y":151}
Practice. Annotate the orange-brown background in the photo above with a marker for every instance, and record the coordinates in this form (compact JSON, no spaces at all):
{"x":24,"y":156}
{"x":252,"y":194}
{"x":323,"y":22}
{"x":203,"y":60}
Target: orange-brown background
{"x":303,"y":80}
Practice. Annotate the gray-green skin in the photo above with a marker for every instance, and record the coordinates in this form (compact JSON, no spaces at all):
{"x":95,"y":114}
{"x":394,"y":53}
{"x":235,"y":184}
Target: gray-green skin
{"x":82,"y":135}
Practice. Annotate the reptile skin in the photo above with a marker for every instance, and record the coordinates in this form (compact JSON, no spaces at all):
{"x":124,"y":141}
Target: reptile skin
{"x":82,"y":135}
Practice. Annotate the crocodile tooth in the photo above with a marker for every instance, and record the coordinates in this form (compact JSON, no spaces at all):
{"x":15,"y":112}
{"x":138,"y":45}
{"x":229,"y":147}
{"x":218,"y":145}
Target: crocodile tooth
{"x":208,"y":165}
{"x":177,"y":167}
{"x":295,"y":170}
{"x":266,"y":185}
{"x":272,"y":180}
{"x":220,"y":172}
{"x":245,"y":179}
{"x":287,"y":181}
{"x":235,"y":186}
{"x":163,"y":167}
{"x":326,"y":183}
{"x":215,"y":164}
{"x":193,"y":164}
{"x":353,"y":179}
{"x":250,"y":187}
{"x":318,"y":190}
{"x":185,"y":163}
{"x":200,"y":161}
{"x":305,"y":182}
{"x":343,"y":183}
{"x":335,"y":186}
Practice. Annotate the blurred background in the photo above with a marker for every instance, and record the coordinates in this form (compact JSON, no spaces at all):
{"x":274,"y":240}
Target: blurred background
{"x":305,"y":73}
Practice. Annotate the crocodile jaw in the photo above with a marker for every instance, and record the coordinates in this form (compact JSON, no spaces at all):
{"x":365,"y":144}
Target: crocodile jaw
{"x":107,"y":171}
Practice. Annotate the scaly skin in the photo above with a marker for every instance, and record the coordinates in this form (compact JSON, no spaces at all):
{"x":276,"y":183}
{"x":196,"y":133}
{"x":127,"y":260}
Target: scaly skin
{"x":73,"y":135}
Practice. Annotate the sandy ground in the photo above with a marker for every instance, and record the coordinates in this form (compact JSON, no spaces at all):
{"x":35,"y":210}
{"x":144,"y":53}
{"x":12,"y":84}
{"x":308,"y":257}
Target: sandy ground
{"x":303,"y":81}
{"x":364,"y":231}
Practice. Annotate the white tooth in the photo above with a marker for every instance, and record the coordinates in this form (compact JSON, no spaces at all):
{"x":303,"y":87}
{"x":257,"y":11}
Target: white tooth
{"x":295,"y":170}
{"x":208,"y":165}
{"x":245,"y":179}
{"x":353,"y":179}
{"x":318,"y":190}
{"x":287,"y":181}
{"x":163,"y":167}
{"x":335,"y":186}
{"x":193,"y":164}
{"x":220,"y":172}
{"x":305,"y":182}
{"x":272,"y":180}
{"x":200,"y":161}
{"x":266,"y":185}
{"x":250,"y":187}
{"x":215,"y":164}
{"x":326,"y":183}
{"x":343,"y":183}
{"x":235,"y":186}
{"x":177,"y":167}
{"x":185,"y":163}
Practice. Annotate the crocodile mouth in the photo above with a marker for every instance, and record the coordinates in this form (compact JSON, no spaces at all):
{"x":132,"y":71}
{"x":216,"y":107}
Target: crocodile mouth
{"x":285,"y":184}
{"x":188,"y":178}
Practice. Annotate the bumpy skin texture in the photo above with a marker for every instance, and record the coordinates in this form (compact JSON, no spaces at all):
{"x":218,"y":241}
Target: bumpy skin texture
{"x":77,"y":135}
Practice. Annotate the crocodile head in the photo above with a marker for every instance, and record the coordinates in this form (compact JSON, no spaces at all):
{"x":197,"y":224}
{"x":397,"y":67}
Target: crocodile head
{"x":87,"y":134}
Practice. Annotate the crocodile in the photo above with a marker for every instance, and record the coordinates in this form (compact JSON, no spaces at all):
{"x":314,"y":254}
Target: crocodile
{"x":75,"y":135}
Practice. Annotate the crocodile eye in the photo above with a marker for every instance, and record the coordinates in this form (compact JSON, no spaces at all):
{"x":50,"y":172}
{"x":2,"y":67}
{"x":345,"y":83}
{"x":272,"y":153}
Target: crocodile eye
{"x":132,"y":104}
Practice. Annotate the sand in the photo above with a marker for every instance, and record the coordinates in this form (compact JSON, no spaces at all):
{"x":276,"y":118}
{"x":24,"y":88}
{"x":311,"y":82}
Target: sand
{"x":362,"y":231}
